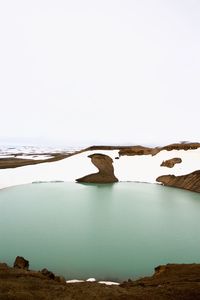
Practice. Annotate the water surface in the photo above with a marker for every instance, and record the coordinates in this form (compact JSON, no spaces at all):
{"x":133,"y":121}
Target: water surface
{"x":114,"y":231}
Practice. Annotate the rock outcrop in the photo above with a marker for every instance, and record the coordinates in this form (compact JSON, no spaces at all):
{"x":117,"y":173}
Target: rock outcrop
{"x":181,"y":146}
{"x":189,"y":181}
{"x":170,"y":163}
{"x":106,"y":171}
{"x":138,"y":150}
{"x":141,"y":150}
{"x":21,"y":263}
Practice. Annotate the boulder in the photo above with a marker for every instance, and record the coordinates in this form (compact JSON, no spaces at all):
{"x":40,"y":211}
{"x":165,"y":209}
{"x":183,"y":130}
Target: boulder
{"x":21,"y":263}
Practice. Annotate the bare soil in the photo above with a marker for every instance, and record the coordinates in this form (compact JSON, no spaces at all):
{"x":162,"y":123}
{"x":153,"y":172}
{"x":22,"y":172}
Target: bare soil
{"x":170,"y":282}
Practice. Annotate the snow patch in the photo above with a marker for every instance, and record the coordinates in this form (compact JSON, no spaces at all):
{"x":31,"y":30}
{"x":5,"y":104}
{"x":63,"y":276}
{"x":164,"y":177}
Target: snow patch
{"x":108,"y":282}
{"x":91,"y":280}
{"x":74,"y":281}
{"x":140,"y":168}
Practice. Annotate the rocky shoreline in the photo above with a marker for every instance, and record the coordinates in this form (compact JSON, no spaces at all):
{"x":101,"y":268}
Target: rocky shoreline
{"x":171,"y":281}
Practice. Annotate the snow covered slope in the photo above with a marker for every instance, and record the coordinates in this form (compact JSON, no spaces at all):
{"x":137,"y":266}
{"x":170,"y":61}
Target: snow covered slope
{"x":143,"y":168}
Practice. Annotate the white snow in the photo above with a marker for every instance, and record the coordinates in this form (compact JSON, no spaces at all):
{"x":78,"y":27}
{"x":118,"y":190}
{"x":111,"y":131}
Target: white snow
{"x":108,"y":282}
{"x":74,"y":281}
{"x":9,"y":149}
{"x":91,"y":280}
{"x":35,"y":157}
{"x":143,"y":168}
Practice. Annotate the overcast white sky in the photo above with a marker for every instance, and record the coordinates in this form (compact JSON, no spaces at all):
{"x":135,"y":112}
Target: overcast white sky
{"x":100,"y":71}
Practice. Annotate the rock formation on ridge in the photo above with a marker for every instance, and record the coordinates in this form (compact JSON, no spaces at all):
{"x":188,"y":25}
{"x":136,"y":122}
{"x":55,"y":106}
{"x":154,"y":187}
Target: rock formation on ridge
{"x":141,"y":150}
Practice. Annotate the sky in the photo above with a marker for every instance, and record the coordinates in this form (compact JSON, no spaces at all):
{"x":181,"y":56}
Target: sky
{"x":90,"y":72}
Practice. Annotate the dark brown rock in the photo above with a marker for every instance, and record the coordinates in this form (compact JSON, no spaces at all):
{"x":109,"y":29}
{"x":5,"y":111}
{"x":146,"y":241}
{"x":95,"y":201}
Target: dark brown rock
{"x":106,"y":171}
{"x":171,"y":162}
{"x":48,"y":274}
{"x":189,"y":181}
{"x":21,"y":263}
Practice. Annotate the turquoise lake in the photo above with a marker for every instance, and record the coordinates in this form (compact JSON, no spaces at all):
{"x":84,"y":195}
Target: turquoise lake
{"x":113,"y":231}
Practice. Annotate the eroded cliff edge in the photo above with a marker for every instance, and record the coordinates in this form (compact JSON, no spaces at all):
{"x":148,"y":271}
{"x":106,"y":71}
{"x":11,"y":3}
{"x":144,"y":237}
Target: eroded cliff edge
{"x":104,"y":164}
{"x":189,"y":182}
